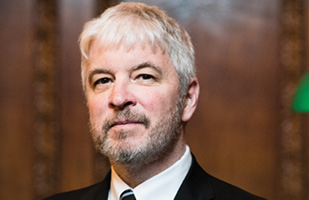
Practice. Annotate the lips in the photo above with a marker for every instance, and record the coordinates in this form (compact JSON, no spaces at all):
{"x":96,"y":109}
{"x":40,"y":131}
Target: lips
{"x":125,"y":122}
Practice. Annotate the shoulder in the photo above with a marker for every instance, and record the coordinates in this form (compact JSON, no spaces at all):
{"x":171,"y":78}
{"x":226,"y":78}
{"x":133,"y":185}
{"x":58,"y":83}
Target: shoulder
{"x":96,"y":191}
{"x":200,"y":185}
{"x":79,"y":194}
{"x":225,"y":190}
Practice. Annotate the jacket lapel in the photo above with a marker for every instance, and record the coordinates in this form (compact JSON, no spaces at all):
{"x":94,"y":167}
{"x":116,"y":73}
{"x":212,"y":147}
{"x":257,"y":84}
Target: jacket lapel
{"x":101,"y":191}
{"x":196,"y":184}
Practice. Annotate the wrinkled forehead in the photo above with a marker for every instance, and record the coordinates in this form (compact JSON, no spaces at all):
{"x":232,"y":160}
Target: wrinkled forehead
{"x":102,"y":45}
{"x":129,"y":39}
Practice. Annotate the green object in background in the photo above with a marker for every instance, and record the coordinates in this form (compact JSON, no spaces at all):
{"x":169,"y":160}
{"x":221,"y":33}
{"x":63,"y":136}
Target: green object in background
{"x":301,"y":97}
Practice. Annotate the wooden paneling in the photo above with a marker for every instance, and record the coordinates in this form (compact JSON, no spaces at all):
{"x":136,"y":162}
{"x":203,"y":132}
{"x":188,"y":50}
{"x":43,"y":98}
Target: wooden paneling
{"x":16,"y":115}
{"x":240,"y":132}
{"x":76,"y":147}
{"x":46,"y":98}
{"x":294,"y":171}
{"x":306,"y":164}
{"x":238,"y":60}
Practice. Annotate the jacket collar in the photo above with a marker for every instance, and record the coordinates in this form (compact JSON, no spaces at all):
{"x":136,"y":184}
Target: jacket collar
{"x":195,"y":186}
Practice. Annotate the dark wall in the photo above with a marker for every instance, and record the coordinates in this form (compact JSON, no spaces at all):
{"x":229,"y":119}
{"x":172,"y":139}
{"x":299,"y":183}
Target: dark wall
{"x":250,"y":56}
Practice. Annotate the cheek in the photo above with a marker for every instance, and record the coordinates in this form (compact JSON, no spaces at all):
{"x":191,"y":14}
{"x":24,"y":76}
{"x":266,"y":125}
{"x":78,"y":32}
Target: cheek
{"x":158,"y":103}
{"x":150,"y":99}
{"x":96,"y":109}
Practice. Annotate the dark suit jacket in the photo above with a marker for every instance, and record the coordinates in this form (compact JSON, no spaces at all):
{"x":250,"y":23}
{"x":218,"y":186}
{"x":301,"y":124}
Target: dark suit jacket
{"x":198,"y":185}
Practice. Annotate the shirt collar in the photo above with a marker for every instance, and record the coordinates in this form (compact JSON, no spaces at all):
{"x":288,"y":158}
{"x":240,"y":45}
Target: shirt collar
{"x":155,"y":187}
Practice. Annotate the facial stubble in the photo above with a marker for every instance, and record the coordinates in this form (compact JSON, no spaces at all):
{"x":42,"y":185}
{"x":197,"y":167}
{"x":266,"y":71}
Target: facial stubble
{"x":160,"y":140}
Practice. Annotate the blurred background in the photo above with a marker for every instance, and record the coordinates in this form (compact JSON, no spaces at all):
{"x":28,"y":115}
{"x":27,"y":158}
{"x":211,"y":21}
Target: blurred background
{"x":250,"y":56}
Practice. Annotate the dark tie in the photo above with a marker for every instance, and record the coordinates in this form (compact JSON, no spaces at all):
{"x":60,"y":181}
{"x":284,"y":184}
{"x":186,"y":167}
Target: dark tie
{"x":127,"y":195}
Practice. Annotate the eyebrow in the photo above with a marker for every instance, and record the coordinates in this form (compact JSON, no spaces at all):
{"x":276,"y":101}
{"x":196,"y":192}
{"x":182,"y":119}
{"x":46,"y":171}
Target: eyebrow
{"x":97,"y":71}
{"x":148,"y":65}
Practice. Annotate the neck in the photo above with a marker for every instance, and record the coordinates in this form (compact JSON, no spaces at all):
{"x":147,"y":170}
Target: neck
{"x":137,"y":175}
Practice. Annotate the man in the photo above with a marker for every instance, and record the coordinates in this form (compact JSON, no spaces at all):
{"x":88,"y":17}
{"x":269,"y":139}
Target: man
{"x":139,"y":79}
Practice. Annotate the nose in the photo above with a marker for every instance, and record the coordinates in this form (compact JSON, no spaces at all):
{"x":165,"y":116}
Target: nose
{"x":121,"y":96}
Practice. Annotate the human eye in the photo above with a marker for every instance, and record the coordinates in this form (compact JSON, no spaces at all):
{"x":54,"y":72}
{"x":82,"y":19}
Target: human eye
{"x":145,"y":77}
{"x":100,"y":82}
{"x":146,"y":74}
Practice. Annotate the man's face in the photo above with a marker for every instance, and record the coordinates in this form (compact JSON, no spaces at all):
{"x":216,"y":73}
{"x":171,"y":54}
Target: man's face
{"x":134,"y":104}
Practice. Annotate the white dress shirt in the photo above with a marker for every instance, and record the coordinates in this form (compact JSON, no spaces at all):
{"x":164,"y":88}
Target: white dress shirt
{"x":163,"y":186}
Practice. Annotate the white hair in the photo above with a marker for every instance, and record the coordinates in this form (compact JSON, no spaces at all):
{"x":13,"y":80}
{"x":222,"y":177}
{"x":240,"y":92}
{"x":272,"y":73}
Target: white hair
{"x":131,"y":23}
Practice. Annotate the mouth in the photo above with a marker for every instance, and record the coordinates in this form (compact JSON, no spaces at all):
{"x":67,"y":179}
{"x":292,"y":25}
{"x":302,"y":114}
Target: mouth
{"x":125,"y":122}
{"x":128,"y":120}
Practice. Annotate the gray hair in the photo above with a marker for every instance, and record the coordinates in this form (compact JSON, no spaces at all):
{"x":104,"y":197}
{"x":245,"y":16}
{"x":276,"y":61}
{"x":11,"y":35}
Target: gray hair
{"x":131,"y":23}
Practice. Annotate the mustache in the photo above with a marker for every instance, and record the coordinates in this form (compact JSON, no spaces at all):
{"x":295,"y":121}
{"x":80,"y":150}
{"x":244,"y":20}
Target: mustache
{"x":125,"y":116}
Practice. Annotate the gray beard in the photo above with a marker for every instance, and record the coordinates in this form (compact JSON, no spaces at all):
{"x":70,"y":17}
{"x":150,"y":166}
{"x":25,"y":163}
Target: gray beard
{"x":161,"y":140}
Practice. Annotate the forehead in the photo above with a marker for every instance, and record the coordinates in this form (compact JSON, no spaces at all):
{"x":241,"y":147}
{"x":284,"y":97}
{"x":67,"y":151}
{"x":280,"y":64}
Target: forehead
{"x":122,"y":54}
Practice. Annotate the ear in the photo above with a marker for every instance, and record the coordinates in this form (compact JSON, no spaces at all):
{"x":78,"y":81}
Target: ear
{"x":191,"y":99}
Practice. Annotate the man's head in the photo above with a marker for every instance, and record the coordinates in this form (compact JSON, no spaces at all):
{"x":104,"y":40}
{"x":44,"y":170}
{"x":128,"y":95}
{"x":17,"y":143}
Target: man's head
{"x":139,"y":79}
{"x":131,"y":23}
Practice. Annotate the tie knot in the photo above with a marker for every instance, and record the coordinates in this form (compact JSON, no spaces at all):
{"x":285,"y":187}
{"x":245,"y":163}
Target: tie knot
{"x":127,"y":195}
